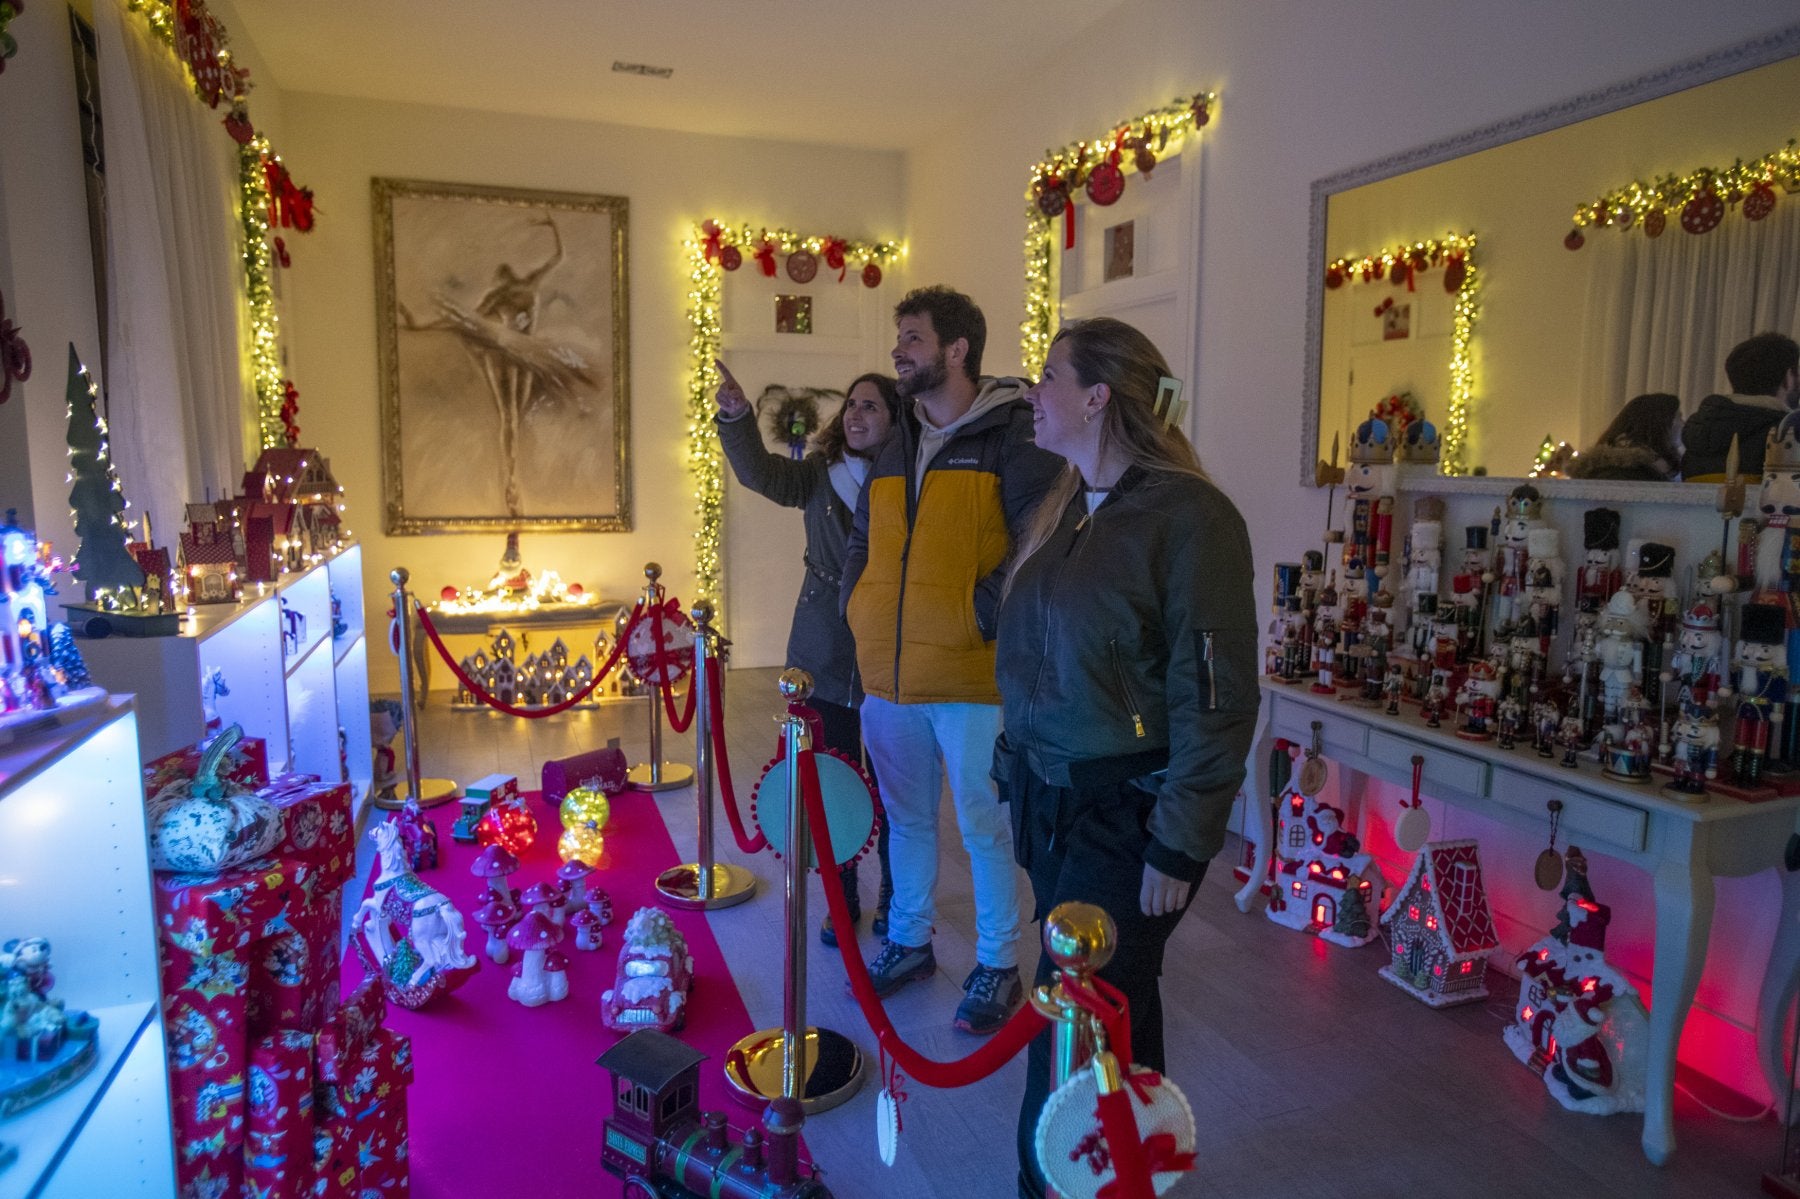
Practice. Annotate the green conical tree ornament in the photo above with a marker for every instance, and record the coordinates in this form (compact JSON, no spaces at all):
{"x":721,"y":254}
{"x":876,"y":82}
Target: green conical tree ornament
{"x":102,"y":563}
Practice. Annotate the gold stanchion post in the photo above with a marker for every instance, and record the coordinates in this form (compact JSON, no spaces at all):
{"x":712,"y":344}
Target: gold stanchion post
{"x":430,"y":791}
{"x":656,"y":774}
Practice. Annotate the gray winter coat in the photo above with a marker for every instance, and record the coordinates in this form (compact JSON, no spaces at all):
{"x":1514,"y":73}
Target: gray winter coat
{"x":819,"y":641}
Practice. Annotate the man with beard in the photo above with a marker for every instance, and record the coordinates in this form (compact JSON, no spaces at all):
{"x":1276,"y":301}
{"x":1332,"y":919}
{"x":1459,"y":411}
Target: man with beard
{"x":921,"y":591}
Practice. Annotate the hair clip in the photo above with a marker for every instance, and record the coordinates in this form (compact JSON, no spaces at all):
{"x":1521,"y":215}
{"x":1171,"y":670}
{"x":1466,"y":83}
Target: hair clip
{"x":1169,"y":405}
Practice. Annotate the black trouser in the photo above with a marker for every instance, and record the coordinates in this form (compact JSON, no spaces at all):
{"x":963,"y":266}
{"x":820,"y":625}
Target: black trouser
{"x":841,"y":728}
{"x":1088,"y":844}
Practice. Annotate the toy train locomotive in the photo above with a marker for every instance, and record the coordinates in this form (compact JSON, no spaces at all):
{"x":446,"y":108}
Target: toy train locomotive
{"x":664,"y":1147}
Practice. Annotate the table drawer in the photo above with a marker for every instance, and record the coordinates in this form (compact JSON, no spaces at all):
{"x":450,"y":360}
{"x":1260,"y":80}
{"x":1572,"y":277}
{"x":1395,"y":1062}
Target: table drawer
{"x":1339,"y":733}
{"x":1443,"y":768}
{"x":1585,"y":818}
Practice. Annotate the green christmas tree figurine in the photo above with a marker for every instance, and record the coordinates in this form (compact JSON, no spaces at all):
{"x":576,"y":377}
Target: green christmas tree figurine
{"x":103,"y":564}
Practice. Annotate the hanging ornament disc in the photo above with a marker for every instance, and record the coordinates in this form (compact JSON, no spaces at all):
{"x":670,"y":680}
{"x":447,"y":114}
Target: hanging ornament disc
{"x":1759,"y":203}
{"x":1106,"y":183}
{"x":731,"y":258}
{"x":1412,"y":830}
{"x":871,"y":275}
{"x":802,"y":265}
{"x":887,"y":1126}
{"x":1703,"y":213}
{"x":1313,"y":774}
{"x":1072,"y":1152}
{"x":1549,"y":870}
{"x":1655,"y":221}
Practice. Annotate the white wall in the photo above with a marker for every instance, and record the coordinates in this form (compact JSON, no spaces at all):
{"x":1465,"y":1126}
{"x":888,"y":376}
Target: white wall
{"x":672,"y":180}
{"x":1306,"y":90}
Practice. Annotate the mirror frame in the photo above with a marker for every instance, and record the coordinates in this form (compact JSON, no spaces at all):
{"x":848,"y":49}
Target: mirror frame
{"x":1719,"y":64}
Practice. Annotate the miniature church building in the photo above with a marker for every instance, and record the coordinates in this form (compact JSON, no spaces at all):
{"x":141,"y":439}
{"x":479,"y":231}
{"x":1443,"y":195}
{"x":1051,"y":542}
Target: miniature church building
{"x":1322,"y":881}
{"x":1439,"y":929}
{"x":1579,"y":1023}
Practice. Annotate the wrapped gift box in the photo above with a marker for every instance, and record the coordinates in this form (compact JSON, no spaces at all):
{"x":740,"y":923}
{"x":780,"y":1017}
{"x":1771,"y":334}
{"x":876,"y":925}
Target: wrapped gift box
{"x":317,"y":824}
{"x":363,"y":1071}
{"x":246,"y":763}
{"x":278,"y":1142}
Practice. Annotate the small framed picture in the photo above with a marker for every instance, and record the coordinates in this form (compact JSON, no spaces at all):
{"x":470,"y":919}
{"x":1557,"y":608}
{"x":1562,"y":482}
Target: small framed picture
{"x":793,"y":314}
{"x":1396,"y":323}
{"x":1121,"y":251}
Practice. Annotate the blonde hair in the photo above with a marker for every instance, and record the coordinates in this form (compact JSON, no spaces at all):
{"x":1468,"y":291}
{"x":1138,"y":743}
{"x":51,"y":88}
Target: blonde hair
{"x":1109,"y":351}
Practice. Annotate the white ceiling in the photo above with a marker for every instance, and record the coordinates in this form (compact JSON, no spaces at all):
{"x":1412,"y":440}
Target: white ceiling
{"x":879,"y":74}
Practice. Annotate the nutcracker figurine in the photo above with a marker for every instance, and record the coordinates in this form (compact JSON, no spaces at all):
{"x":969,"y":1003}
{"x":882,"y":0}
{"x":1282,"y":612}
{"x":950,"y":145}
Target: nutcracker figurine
{"x":1324,"y":649}
{"x":1378,"y":644}
{"x":1620,"y":651}
{"x":1437,"y":699}
{"x":1523,"y":513}
{"x":1696,"y":754}
{"x":1469,"y":588}
{"x":1599,"y":577}
{"x":1424,"y":557}
{"x":1760,"y":667}
{"x":1778,"y":502}
{"x":1571,"y":736}
{"x":1694,"y":669}
{"x":1546,"y":718}
{"x":1511,"y":720}
{"x":1479,"y":702}
{"x":1544,"y":584}
{"x":1369,"y":504}
{"x":1420,"y":442}
{"x":1287,"y":589}
{"x":1353,"y":615}
{"x":1393,"y":685}
{"x":1651,"y":582}
{"x":1625,"y":747}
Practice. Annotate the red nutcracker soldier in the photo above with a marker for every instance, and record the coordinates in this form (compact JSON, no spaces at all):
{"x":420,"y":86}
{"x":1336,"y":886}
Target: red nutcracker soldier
{"x":1760,"y":667}
{"x":1600,"y":576}
{"x":1479,"y":702}
{"x":1694,"y":669}
{"x":1324,"y":650}
{"x":1512,"y":555}
{"x":1468,"y":588}
{"x":1369,"y":503}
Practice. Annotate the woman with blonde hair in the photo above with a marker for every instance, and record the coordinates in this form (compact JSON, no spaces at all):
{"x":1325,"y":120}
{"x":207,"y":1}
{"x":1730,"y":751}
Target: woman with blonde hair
{"x":1127,"y":670}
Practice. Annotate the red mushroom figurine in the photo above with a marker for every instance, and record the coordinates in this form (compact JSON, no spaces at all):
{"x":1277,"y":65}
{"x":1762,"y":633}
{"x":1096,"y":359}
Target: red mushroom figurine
{"x":587,"y":929}
{"x":496,"y":918}
{"x":556,"y":975}
{"x":600,"y":904}
{"x":573,"y":875}
{"x":494,"y":864}
{"x":535,"y":936}
{"x":546,"y":900}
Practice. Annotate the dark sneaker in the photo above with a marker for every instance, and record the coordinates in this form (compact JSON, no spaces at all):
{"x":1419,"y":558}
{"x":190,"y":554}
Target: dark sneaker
{"x":990,"y":997}
{"x":879,"y":925}
{"x":897,"y":964}
{"x":853,"y":901}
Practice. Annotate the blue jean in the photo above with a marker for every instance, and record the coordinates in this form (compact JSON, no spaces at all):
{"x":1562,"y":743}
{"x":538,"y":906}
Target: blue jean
{"x":914,"y":747}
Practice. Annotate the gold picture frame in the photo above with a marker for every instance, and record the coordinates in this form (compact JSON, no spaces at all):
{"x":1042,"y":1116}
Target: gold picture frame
{"x":504,"y":357}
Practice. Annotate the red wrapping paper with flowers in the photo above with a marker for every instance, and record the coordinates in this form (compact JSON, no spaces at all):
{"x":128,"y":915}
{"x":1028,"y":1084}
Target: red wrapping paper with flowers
{"x":278,"y":1149}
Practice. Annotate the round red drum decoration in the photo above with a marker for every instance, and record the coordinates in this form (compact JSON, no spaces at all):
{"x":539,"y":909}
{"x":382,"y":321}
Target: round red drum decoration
{"x":731,"y":258}
{"x":1106,"y":183}
{"x":802,"y":265}
{"x":1703,"y":213}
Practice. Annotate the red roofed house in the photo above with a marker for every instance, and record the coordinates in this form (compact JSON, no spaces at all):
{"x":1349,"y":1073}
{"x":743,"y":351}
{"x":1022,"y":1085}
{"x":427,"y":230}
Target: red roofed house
{"x":1324,"y":882}
{"x":1439,"y":929}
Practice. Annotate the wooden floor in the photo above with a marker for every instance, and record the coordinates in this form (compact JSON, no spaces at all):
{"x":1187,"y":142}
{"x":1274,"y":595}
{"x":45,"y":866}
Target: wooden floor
{"x":1308,"y":1074}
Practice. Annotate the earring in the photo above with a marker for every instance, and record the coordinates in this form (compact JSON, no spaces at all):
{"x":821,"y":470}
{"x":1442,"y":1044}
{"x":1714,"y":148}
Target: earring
{"x":1089,"y":418}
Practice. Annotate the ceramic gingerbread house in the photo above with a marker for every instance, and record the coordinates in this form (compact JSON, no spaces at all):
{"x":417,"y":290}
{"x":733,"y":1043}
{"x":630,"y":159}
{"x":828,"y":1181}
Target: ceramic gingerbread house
{"x":1324,"y":883}
{"x":1579,"y":1024}
{"x":209,"y":555}
{"x":1439,"y":929}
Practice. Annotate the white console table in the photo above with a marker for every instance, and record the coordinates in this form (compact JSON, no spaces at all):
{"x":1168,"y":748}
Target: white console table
{"x":1684,"y":847}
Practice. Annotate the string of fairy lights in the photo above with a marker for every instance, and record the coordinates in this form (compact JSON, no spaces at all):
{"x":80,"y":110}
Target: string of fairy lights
{"x":704,"y":251}
{"x":253,"y":203}
{"x":1159,"y":132}
{"x":1455,"y":254}
{"x":1699,"y":197}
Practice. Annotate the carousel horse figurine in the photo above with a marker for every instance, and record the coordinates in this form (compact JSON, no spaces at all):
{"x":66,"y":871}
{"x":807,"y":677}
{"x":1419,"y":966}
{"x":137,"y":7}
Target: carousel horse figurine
{"x":407,"y":932}
{"x":212,"y":686}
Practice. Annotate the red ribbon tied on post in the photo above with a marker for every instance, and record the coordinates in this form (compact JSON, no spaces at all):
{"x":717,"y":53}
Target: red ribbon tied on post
{"x":765,"y":257}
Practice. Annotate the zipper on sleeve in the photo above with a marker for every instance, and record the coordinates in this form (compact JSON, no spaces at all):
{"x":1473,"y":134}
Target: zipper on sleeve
{"x":1131,"y":706}
{"x":1212,"y":685}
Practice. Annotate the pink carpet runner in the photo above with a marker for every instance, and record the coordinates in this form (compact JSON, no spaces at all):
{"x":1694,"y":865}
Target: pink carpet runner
{"x":506,"y":1100}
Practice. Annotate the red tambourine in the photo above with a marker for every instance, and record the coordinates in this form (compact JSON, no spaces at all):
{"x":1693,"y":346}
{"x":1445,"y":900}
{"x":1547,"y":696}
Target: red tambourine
{"x":675,"y":661}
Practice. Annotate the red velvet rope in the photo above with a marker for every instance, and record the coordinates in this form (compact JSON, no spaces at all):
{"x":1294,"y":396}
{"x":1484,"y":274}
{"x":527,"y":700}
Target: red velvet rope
{"x":679,"y":724}
{"x":485,"y":697}
{"x":715,"y":702}
{"x":999,"y":1049}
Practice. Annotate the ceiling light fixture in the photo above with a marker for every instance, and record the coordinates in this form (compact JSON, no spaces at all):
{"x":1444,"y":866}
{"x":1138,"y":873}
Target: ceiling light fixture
{"x":640,"y":68}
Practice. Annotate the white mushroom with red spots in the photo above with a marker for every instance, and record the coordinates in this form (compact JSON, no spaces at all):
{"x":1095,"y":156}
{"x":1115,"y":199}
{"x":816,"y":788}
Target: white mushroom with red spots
{"x":588,"y":934}
{"x":496,"y":918}
{"x":494,"y":864}
{"x":535,"y":936}
{"x":573,"y":875}
{"x":556,"y":975}
{"x":546,"y":900}
{"x":600,"y":904}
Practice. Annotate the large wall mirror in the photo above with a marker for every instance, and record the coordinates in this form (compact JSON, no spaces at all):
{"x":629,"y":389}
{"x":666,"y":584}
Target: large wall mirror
{"x":1542,"y":331}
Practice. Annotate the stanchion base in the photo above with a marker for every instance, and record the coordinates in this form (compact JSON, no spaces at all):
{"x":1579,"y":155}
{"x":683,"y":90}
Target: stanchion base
{"x":731,"y":885}
{"x":673,"y":775}
{"x":753,"y":1069}
{"x":432,"y":792}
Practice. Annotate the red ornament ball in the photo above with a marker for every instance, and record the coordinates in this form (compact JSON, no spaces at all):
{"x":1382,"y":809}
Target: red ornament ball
{"x":731,"y":258}
{"x":1378,"y":269}
{"x":1106,"y":183}
{"x":1455,"y":272}
{"x":577,"y":590}
{"x":834,"y":256}
{"x":448,"y":594}
{"x":1334,"y":277}
{"x":1052,"y":198}
{"x":802,"y":265}
{"x":512,"y":829}
{"x":1655,"y":221}
{"x":1703,"y":213}
{"x":871,"y":276}
{"x":1759,"y":203}
{"x":1574,"y":241}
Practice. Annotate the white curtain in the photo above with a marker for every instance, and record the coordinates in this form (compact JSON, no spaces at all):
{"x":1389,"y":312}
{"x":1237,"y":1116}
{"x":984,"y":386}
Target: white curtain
{"x":1667,"y":310}
{"x":176,"y":373}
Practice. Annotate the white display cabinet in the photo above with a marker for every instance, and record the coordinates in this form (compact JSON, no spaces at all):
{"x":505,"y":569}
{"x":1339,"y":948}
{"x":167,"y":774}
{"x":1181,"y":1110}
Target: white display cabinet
{"x":291,"y":677}
{"x":75,"y":868}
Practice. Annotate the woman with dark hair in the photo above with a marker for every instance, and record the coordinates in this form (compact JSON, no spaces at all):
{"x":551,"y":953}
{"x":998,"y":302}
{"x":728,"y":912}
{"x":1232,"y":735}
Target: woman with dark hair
{"x":826,"y":485}
{"x":1127,"y":671}
{"x":1643,"y":442}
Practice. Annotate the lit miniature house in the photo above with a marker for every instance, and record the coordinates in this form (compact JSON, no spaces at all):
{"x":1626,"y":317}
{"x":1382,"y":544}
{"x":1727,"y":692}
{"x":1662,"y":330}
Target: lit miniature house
{"x":656,"y":1089}
{"x":1579,"y":1023}
{"x":1439,"y":929}
{"x":1323,"y":881}
{"x":22,"y":604}
{"x":209,"y":555}
{"x":303,"y":477}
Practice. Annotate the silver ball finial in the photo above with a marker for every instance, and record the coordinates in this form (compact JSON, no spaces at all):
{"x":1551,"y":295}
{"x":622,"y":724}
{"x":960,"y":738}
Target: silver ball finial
{"x":652,"y":571}
{"x":399,"y":575}
{"x":795,"y":685}
{"x":703,"y":611}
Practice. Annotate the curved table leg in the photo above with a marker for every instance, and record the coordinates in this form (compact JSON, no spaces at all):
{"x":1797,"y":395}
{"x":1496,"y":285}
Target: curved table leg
{"x":1684,"y":911}
{"x":1781,"y":983}
{"x":1256,"y":811}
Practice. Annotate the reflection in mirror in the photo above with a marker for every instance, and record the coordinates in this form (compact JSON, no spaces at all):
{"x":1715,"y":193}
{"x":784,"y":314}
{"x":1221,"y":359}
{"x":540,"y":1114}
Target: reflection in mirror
{"x":1560,"y":327}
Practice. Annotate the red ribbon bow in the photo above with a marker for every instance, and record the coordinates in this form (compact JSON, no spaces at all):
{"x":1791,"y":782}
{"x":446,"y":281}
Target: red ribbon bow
{"x":766,"y":258}
{"x":833,"y":251}
{"x":714,"y":235}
